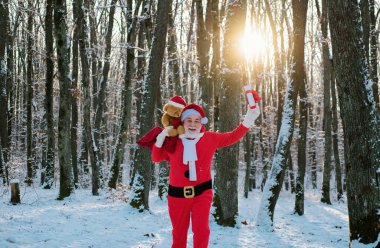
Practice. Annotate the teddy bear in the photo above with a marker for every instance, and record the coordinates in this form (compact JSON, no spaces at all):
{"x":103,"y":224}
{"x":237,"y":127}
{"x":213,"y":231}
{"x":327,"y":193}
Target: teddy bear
{"x":172,"y":115}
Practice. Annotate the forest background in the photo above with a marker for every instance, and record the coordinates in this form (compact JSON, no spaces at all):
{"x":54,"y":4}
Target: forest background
{"x":81,"y":81}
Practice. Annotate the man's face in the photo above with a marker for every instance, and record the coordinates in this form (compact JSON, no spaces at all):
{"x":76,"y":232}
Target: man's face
{"x":192,"y":124}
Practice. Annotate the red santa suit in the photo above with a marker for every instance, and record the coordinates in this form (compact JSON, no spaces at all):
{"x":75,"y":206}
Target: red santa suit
{"x":192,"y":199}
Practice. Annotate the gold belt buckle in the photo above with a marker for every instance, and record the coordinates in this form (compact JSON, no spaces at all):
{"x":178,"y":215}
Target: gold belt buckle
{"x":188,"y":191}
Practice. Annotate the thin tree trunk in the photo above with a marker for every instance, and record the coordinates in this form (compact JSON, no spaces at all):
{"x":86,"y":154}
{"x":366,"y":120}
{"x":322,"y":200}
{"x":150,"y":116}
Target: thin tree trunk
{"x":49,"y":99}
{"x":338,"y":171}
{"x":142,"y":163}
{"x":301,"y":169}
{"x":88,"y":135}
{"x":3,"y":92}
{"x":374,"y":34}
{"x":66,"y":186}
{"x":11,"y":85}
{"x":326,"y":107}
{"x":361,"y":137}
{"x":215,"y":63}
{"x":203,"y":46}
{"x":366,"y":22}
{"x":174,"y":79}
{"x":75,"y":96}
{"x":289,"y":166}
{"x":248,"y":162}
{"x":93,"y":48}
{"x":29,"y":118}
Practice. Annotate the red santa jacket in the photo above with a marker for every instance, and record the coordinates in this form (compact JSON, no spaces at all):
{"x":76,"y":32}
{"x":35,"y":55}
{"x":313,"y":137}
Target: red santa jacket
{"x":206,"y":148}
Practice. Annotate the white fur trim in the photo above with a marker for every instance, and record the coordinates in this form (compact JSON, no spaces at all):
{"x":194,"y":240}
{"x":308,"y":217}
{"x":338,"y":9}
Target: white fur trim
{"x":204,"y":120}
{"x":176,"y":104}
{"x":188,"y":112}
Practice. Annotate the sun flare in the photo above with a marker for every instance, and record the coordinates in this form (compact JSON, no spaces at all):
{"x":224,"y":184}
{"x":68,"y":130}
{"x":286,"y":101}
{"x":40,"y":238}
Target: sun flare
{"x":253,"y":44}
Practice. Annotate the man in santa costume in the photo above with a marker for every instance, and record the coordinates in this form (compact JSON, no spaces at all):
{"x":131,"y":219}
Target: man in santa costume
{"x":190,"y":186}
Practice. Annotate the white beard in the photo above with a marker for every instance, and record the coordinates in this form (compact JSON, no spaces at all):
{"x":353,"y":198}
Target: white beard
{"x":192,"y":135}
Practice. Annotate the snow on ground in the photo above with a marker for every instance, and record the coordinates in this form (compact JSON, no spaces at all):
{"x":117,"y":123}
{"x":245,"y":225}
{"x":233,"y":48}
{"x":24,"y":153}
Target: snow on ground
{"x":83,"y":220}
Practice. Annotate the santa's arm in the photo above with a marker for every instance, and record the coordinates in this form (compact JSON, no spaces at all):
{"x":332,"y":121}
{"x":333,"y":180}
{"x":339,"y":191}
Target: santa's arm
{"x":159,"y":154}
{"x":230,"y":138}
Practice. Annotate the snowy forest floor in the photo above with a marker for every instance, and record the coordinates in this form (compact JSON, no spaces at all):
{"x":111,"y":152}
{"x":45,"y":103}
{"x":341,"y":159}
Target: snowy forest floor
{"x":83,"y":220}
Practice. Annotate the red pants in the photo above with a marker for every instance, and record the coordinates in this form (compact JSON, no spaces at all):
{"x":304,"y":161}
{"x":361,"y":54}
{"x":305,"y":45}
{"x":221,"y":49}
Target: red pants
{"x":198,"y":209}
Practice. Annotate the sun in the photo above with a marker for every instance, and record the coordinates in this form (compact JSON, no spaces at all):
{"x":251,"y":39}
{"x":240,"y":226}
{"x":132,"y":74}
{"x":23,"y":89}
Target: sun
{"x":252,"y":44}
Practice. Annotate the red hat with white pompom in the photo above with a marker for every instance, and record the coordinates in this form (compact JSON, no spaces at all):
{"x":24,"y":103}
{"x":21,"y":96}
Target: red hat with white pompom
{"x":192,"y":109}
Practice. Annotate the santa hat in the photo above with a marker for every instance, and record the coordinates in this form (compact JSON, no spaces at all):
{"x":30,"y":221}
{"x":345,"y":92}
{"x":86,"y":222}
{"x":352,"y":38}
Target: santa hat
{"x":192,"y":109}
{"x":177,"y":101}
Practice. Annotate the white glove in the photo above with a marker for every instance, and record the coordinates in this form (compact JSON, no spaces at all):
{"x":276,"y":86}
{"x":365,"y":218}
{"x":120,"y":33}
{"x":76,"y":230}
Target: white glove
{"x":251,"y":116}
{"x":161,"y":137}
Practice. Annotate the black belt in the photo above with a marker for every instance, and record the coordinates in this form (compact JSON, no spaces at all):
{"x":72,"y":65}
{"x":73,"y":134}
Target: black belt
{"x":189,"y":191}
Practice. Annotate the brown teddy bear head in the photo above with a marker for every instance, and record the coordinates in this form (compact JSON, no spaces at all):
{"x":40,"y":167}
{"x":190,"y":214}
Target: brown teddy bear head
{"x":173,"y":111}
{"x":174,"y":106}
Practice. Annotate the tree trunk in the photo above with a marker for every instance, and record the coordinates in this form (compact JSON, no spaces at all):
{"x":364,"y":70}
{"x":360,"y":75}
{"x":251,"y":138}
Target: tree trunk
{"x":215,"y":63}
{"x":15,"y":192}
{"x":186,"y":70}
{"x":265,"y":162}
{"x":174,"y":78}
{"x":126,"y":97}
{"x":88,"y":135}
{"x":226,"y":175}
{"x":3,"y":92}
{"x":75,"y":96}
{"x":93,"y":47}
{"x":326,"y":107}
{"x":64,"y":144}
{"x":361,"y":137}
{"x":101,"y":94}
{"x":374,"y":37}
{"x":248,"y":162}
{"x":300,"y":179}
{"x":49,"y":99}
{"x":338,"y":171}
{"x":364,"y":9}
{"x":302,"y":139}
{"x":203,"y":47}
{"x":11,"y":85}
{"x":29,"y":118}
{"x":273,"y":186}
{"x":142,"y":162}
{"x":289,"y":166}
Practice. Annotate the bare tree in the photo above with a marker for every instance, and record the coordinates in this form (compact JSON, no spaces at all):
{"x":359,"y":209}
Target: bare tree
{"x":3,"y":91}
{"x":75,"y":95}
{"x":29,"y":78}
{"x":226,"y":174}
{"x":88,"y":135}
{"x":66,"y":186}
{"x":360,"y":124}
{"x":142,"y":163}
{"x":273,"y":186}
{"x":49,"y":99}
{"x":326,"y":107}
